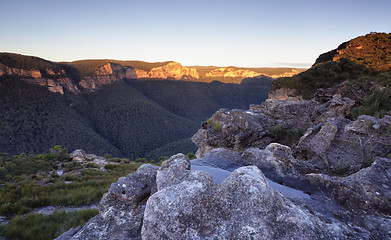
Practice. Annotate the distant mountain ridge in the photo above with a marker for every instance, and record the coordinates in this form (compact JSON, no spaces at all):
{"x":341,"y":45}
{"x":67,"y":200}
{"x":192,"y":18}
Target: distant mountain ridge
{"x":87,"y":75}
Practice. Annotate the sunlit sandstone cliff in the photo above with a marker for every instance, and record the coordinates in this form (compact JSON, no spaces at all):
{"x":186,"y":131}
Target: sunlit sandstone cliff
{"x":106,"y":74}
{"x":230,"y":72}
{"x":172,"y":70}
{"x":93,"y":74}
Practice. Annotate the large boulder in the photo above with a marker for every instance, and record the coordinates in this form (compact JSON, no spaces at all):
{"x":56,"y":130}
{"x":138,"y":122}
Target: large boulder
{"x":276,"y":159}
{"x":242,"y":207}
{"x":235,"y":129}
{"x":121,"y":209}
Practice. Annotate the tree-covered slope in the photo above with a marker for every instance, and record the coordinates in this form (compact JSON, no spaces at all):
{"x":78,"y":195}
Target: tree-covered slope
{"x":197,"y":101}
{"x":131,"y":121}
{"x":373,"y":50}
{"x":32,"y":118}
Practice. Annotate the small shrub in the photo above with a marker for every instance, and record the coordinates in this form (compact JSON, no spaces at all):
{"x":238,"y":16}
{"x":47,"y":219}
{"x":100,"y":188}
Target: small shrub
{"x":287,"y":137}
{"x":71,"y":177}
{"x":141,"y":160}
{"x":114,"y":159}
{"x":162,"y":159}
{"x":343,"y":169}
{"x":111,"y":166}
{"x":217,"y":126}
{"x":58,"y":153}
{"x":92,"y":165}
{"x":277,"y":132}
{"x":70,"y":166}
{"x":125,"y":160}
{"x":191,"y":155}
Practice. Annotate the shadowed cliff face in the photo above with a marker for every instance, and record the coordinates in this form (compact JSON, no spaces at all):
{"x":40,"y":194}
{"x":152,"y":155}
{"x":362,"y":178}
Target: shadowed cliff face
{"x":54,"y":81}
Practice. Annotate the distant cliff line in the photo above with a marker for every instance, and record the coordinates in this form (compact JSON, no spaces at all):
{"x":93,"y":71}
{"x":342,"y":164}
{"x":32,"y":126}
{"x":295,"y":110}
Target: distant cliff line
{"x":88,"y":75}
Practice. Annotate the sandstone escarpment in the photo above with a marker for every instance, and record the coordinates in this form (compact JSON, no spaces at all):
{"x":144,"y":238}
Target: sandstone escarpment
{"x":90,"y":75}
{"x":55,"y":81}
{"x":231,"y":72}
{"x":172,"y":70}
{"x":107,"y":74}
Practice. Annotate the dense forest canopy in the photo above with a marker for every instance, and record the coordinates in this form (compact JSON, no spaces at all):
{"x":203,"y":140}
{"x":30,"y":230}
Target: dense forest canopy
{"x":129,"y":118}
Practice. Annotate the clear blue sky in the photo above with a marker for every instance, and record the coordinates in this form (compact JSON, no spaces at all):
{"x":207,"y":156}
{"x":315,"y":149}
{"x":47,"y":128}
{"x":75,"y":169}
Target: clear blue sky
{"x":205,"y":32}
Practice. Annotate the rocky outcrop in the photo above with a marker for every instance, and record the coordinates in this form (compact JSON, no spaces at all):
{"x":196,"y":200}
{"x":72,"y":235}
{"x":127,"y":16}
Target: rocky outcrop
{"x":284,"y":94}
{"x":341,"y":163}
{"x":185,"y":204}
{"x":121,"y":209}
{"x":241,"y":129}
{"x":242,"y":207}
{"x":81,"y":156}
{"x":233,"y":72}
{"x":5,"y":70}
{"x":342,"y":146}
{"x":229,"y":72}
{"x":107,"y":74}
{"x":55,"y":81}
{"x":175,"y":202}
{"x":172,"y":70}
{"x":236,"y":129}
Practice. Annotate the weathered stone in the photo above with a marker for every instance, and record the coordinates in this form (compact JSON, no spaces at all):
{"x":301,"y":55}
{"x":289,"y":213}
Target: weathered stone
{"x":288,"y":113}
{"x":77,"y":153}
{"x":341,"y":146}
{"x":235,"y":129}
{"x":242,"y":207}
{"x":284,"y":94}
{"x":276,"y":158}
{"x":172,"y":170}
{"x":90,"y":157}
{"x":336,"y":107}
{"x":318,"y":142}
{"x":368,"y":189}
{"x":121,"y":210}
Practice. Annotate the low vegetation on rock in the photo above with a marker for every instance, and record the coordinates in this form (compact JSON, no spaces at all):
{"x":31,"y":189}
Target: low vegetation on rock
{"x":30,"y":181}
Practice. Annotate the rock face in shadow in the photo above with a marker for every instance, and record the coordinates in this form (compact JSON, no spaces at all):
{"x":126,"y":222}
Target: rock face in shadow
{"x":365,"y":190}
{"x":55,"y":81}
